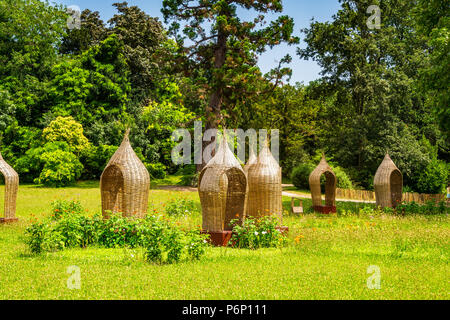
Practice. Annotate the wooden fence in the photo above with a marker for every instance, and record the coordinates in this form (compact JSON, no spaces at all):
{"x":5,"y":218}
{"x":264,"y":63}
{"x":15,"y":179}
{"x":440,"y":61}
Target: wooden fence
{"x":364,"y":195}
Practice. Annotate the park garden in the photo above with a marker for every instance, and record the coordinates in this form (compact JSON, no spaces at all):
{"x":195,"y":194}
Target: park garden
{"x":354,"y":208}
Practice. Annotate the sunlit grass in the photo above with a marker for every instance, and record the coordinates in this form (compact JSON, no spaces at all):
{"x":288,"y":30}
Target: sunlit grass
{"x":328,"y":259}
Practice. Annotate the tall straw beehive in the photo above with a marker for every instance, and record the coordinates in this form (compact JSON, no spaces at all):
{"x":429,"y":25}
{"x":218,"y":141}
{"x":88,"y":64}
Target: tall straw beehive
{"x":125,"y":183}
{"x":11,"y":188}
{"x":330,"y":185}
{"x":222,"y":185}
{"x":388,"y":184}
{"x":252,"y":159}
{"x":264,"y":186}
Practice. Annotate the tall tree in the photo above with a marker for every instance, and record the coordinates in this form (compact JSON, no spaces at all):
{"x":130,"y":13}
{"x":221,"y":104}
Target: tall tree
{"x":433,"y":19}
{"x":371,"y":75}
{"x":222,"y":50}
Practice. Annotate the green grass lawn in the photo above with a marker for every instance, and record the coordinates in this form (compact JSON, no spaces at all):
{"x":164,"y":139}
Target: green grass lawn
{"x":328,"y":261}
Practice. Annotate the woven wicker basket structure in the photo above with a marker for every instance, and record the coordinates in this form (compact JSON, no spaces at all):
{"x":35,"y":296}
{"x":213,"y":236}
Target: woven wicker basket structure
{"x":264,"y":186}
{"x":125,"y":183}
{"x":222,"y":187}
{"x":252,"y":159}
{"x":11,"y":188}
{"x":388,"y":184}
{"x":330,"y":185}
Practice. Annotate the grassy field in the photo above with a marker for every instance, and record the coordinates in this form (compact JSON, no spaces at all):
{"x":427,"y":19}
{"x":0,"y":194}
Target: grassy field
{"x":329,"y":260}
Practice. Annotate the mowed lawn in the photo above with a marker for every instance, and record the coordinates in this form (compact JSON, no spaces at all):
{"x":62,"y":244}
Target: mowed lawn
{"x":329,"y":260}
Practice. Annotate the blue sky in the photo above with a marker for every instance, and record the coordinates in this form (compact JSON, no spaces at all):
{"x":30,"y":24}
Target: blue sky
{"x":301,"y":10}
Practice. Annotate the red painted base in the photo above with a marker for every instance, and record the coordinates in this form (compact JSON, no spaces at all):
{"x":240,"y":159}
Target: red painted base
{"x":219,"y":239}
{"x":325,"y":209}
{"x":8,"y":220}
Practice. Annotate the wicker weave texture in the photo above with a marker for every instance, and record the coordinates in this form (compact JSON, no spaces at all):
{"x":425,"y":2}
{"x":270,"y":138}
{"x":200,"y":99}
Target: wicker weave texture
{"x":11,"y":188}
{"x":388,"y":184}
{"x":252,"y":159}
{"x":330,"y":185}
{"x":264,"y":186}
{"x":125,"y":183}
{"x":222,"y":188}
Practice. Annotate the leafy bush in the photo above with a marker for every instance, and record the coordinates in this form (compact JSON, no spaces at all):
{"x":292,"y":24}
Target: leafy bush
{"x":180,"y":207}
{"x":163,"y":241}
{"x":35,"y":237}
{"x":157,"y":170}
{"x":343,"y":180}
{"x":433,"y":180}
{"x":66,"y":129}
{"x":430,"y":208}
{"x":300,"y":175}
{"x":257,"y":233}
{"x":62,"y":208}
{"x":61,"y":168}
{"x":96,"y":160}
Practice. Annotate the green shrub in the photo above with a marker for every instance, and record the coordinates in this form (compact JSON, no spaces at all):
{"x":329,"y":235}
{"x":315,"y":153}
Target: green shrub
{"x":433,"y":180}
{"x":96,"y":160}
{"x":61,"y":168}
{"x":157,"y":170}
{"x":257,"y":233}
{"x":300,"y":175}
{"x":69,"y":228}
{"x":430,"y":208}
{"x":180,"y":207}
{"x":35,"y":237}
{"x":62,"y":208}
{"x":343,"y":180}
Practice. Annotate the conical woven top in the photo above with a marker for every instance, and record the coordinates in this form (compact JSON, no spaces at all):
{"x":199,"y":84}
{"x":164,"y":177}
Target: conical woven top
{"x":252,"y":159}
{"x":125,"y":155}
{"x":224,"y":157}
{"x":387,"y":163}
{"x":266,"y":158}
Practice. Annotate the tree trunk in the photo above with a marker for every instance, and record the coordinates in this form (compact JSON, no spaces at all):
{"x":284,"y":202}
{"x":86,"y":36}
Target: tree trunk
{"x":213,"y":114}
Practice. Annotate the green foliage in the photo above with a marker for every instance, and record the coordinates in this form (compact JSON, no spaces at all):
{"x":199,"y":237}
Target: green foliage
{"x":180,"y":207}
{"x":68,"y":227}
{"x":93,"y":87}
{"x":61,"y":208}
{"x":257,"y":233}
{"x":60,"y":168}
{"x":35,"y":236}
{"x":156,"y":170}
{"x":300,"y":175}
{"x":68,"y":130}
{"x":222,"y":61}
{"x":343,"y":180}
{"x":434,"y":178}
{"x":96,"y":160}
{"x":370,"y":80}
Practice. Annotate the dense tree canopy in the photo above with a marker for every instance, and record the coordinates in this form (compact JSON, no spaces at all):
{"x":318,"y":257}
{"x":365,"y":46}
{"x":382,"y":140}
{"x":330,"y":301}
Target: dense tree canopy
{"x":67,"y":96}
